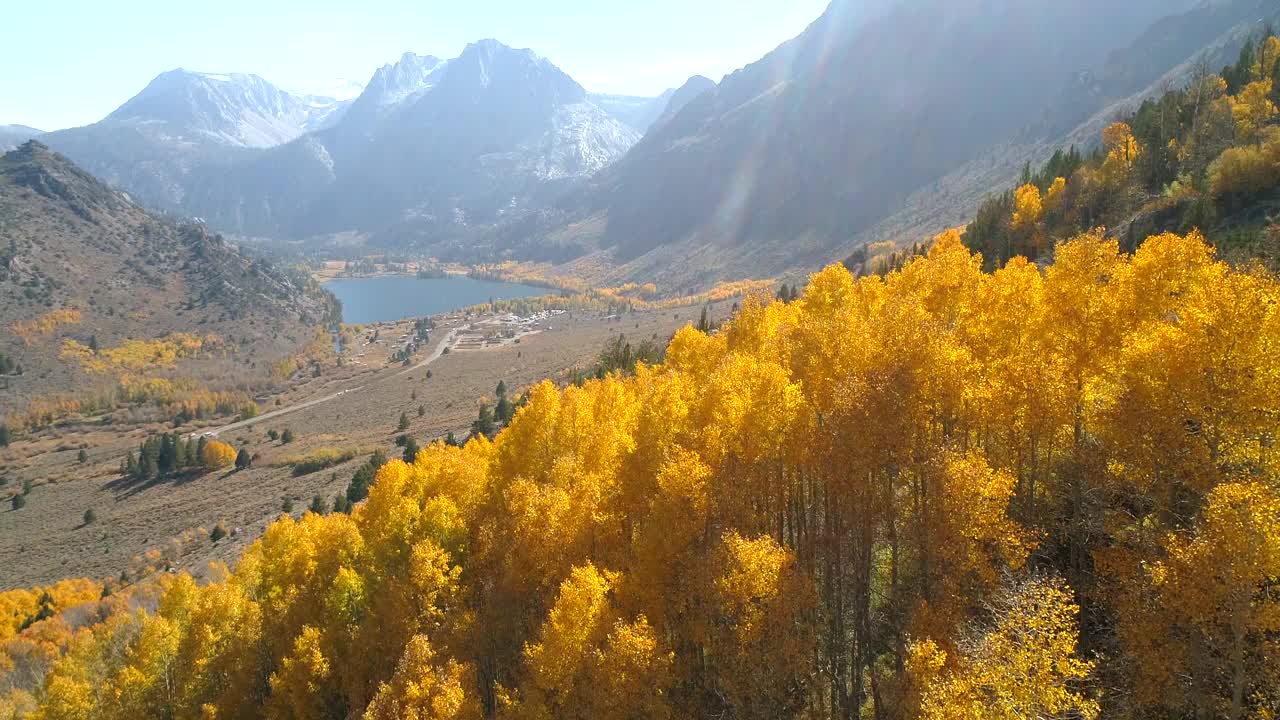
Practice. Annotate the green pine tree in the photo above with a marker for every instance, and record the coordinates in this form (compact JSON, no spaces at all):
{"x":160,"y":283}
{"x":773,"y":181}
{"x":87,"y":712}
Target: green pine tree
{"x":410,"y":450}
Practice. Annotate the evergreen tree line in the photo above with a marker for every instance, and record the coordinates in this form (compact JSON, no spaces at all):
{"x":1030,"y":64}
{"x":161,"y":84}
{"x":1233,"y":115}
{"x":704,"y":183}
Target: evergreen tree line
{"x":169,"y":454}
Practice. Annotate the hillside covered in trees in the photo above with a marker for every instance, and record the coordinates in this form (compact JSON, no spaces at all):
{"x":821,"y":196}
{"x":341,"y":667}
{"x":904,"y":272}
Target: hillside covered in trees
{"x":943,"y":493}
{"x":1206,"y":157}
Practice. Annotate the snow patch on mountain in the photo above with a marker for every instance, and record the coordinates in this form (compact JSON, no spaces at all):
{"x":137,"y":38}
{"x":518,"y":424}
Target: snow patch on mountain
{"x":235,"y":109}
{"x":582,"y":140}
{"x":395,"y":82}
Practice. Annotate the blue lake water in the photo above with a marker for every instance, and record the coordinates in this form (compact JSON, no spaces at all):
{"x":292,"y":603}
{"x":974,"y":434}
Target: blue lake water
{"x":396,"y":297}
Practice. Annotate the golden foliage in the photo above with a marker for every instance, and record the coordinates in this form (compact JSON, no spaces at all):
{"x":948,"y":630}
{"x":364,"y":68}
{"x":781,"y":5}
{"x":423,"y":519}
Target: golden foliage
{"x":171,"y":396}
{"x":140,"y":355}
{"x":828,"y":508}
{"x":319,"y":350}
{"x":1027,"y":206}
{"x":1248,"y":169}
{"x":1025,"y":666}
{"x":218,"y":455}
{"x":29,"y":330}
{"x":1252,"y":108}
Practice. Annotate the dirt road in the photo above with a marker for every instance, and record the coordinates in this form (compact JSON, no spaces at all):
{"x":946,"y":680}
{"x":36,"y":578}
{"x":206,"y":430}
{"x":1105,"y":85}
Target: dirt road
{"x":434,"y":356}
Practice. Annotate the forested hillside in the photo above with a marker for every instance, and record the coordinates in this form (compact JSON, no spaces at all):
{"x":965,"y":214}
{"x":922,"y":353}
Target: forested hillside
{"x":943,"y":493}
{"x":1205,"y":157}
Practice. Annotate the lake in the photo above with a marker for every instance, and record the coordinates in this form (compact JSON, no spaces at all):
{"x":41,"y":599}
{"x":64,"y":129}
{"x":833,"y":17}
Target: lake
{"x":396,"y":297}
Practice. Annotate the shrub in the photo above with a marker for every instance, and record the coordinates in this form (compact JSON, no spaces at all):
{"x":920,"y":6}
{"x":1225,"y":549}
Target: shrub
{"x":287,"y":505}
{"x":219,"y":531}
{"x":410,"y":450}
{"x":82,"y":457}
{"x":320,"y":459}
{"x":319,"y":506}
{"x":341,"y":504}
{"x":90,"y":517}
{"x":243,"y":459}
{"x":286,"y":437}
{"x":358,"y":488}
{"x":218,"y":455}
{"x":1247,"y":170}
{"x":19,"y":502}
{"x":6,"y":435}
{"x":273,"y":435}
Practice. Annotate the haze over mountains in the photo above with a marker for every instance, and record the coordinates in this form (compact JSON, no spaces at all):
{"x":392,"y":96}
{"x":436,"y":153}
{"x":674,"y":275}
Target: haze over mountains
{"x":498,"y":153}
{"x":430,"y":150}
{"x":11,"y":136}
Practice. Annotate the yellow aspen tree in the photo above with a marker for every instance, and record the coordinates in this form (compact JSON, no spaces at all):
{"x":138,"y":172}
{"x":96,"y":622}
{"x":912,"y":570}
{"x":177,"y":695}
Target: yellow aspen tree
{"x":1229,"y":612}
{"x":1252,"y":108}
{"x":1023,"y":666}
{"x":1121,"y":146}
{"x":424,"y":688}
{"x":1268,"y":55}
{"x":761,"y":653}
{"x":1055,"y":195}
{"x":969,"y":541}
{"x":218,"y":455}
{"x":1027,"y":207}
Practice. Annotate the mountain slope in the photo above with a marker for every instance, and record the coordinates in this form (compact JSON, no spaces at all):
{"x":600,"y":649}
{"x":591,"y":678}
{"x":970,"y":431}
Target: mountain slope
{"x":830,"y":132}
{"x":1088,"y":102}
{"x":81,"y":262}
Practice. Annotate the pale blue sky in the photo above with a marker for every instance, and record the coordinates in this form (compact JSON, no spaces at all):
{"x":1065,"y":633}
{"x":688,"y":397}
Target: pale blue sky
{"x":70,"y":62}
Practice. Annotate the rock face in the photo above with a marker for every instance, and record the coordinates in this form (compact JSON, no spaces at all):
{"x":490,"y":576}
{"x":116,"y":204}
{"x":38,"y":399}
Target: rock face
{"x":430,"y":153}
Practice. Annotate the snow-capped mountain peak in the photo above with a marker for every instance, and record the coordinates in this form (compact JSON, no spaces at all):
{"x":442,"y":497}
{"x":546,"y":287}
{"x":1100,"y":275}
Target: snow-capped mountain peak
{"x":236,"y":109}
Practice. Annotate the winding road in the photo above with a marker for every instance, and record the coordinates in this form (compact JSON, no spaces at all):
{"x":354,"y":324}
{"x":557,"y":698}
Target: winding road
{"x":435,"y":355}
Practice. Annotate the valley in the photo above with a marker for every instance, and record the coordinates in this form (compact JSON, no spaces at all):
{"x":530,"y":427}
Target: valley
{"x":351,"y":407}
{"x":923,"y":367}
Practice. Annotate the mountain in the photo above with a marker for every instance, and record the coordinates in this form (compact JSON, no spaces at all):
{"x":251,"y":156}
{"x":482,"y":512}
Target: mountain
{"x":11,"y":136}
{"x":432,"y":153}
{"x":829,"y":133}
{"x":184,"y":120}
{"x":677,"y":99}
{"x":640,"y":113}
{"x":237,"y":110}
{"x":72,"y":243}
{"x":1166,"y":55}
